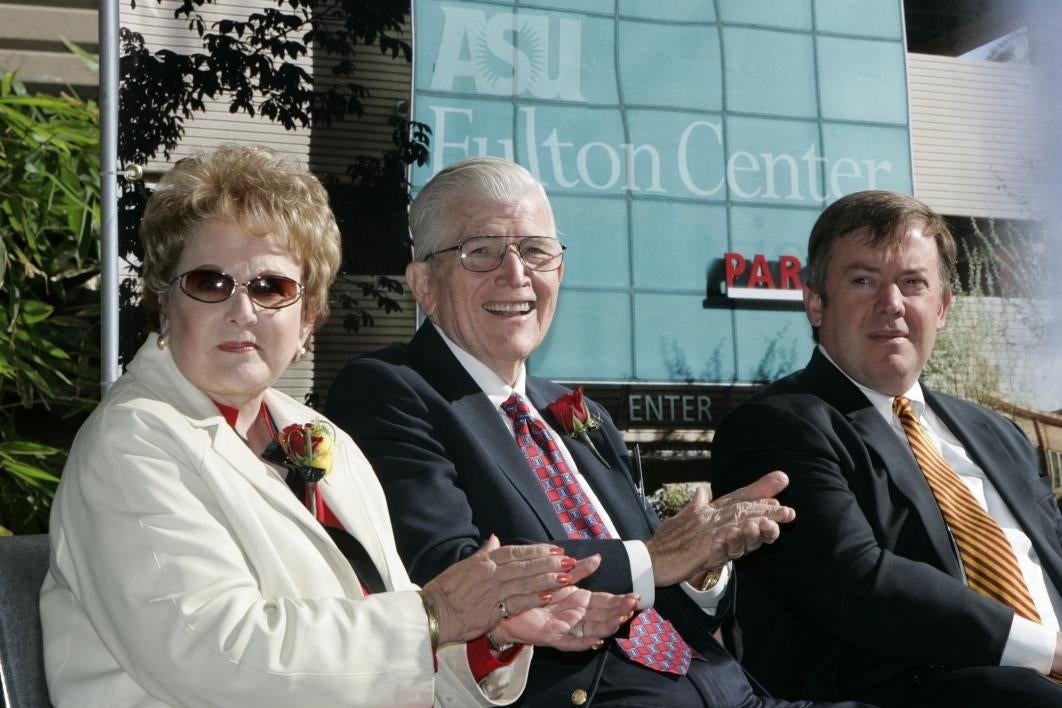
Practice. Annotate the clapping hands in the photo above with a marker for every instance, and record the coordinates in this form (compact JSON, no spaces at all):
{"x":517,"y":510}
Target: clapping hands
{"x":526,"y":594}
{"x":706,"y":535}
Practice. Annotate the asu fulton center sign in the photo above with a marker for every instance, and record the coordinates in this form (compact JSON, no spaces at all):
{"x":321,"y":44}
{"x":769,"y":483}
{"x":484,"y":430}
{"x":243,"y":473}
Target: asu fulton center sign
{"x":672,"y":137}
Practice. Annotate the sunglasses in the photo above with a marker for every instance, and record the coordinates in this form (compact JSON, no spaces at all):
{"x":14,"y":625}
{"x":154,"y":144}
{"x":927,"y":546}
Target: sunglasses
{"x":271,"y":291}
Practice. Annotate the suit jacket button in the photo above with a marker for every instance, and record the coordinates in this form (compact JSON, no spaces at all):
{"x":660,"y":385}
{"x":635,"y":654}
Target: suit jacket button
{"x":578,"y":697}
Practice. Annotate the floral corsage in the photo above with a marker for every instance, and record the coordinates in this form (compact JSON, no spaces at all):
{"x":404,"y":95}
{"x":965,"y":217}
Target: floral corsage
{"x":304,"y":448}
{"x":576,"y":420}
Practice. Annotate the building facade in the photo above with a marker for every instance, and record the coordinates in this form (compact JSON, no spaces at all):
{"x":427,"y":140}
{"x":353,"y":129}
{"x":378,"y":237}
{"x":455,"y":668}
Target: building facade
{"x":687,"y":195}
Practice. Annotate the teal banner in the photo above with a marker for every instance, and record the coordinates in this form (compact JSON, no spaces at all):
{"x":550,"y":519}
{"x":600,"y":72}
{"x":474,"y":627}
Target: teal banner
{"x":687,"y":148}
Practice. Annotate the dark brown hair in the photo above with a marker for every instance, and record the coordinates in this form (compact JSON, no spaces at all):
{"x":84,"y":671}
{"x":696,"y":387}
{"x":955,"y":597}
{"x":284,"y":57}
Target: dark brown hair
{"x":886,"y":217}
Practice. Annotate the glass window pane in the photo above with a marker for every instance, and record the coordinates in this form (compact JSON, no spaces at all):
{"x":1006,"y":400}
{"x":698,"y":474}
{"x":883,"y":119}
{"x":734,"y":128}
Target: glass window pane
{"x":595,"y":231}
{"x":678,"y":339}
{"x":675,"y":241}
{"x":770,"y":72}
{"x":669,"y":65}
{"x":862,"y":80}
{"x":577,"y":150}
{"x":866,"y":157}
{"x":772,"y":344}
{"x":589,"y":339}
{"x":774,"y":161}
{"x":677,"y":154}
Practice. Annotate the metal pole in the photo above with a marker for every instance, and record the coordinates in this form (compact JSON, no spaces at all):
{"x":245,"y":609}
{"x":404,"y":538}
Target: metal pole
{"x":108,"y":193}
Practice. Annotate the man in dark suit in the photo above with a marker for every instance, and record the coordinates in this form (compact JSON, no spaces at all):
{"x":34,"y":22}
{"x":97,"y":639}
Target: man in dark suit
{"x":925,"y":563}
{"x":465,"y":447}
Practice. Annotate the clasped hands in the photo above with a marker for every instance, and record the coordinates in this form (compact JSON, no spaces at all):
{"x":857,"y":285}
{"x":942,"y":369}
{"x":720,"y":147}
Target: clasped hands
{"x":526,"y":594}
{"x":706,"y":535}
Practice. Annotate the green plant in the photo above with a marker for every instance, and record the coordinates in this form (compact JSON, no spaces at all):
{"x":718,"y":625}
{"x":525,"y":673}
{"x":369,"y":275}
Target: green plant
{"x":49,"y":304}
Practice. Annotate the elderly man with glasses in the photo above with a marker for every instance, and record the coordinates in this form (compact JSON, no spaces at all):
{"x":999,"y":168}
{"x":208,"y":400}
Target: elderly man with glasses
{"x":466,"y":446}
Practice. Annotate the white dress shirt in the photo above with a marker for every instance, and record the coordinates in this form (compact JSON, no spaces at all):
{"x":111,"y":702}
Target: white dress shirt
{"x":642,"y":579}
{"x":1029,"y":644}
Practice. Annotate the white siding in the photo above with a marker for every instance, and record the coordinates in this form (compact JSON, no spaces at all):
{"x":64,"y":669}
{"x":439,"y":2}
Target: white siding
{"x":30,"y":43}
{"x":977,"y":131}
{"x":389,"y":82}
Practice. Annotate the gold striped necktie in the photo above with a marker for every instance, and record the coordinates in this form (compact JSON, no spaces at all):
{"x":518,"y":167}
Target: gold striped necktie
{"x":987,"y":556}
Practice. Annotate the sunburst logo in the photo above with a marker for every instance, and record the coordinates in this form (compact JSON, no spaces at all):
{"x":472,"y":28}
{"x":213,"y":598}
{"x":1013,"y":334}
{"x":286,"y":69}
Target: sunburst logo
{"x":525,"y":68}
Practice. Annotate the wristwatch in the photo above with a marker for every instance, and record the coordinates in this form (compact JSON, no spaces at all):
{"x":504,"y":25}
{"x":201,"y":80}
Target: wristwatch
{"x":710,"y":579}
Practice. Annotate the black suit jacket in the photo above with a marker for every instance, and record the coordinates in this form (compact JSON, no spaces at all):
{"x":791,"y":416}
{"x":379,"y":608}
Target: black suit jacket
{"x":453,"y":475}
{"x":863,"y":593}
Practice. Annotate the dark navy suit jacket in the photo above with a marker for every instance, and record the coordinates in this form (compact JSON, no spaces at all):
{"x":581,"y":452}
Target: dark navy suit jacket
{"x":863,"y":593}
{"x":453,"y":475}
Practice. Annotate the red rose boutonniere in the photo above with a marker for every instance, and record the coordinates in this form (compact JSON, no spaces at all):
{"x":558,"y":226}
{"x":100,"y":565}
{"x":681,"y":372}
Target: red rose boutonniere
{"x":309,"y":446}
{"x":576,"y":420}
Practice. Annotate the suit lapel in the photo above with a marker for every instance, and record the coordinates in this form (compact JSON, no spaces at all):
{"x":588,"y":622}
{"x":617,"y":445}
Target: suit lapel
{"x":437,"y":364}
{"x":897,"y":460}
{"x":986,"y":450}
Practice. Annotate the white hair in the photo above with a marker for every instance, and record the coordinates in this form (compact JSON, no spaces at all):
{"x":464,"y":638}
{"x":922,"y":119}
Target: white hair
{"x":496,"y":179}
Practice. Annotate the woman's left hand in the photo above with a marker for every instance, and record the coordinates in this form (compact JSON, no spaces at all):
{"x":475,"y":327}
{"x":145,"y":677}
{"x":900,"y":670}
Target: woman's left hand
{"x":575,"y":620}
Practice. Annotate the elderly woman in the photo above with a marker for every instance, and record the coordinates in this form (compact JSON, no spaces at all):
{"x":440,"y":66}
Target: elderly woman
{"x":184,"y":569}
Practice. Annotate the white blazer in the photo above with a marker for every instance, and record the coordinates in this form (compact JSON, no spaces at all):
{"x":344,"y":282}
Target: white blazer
{"x":184,"y":572}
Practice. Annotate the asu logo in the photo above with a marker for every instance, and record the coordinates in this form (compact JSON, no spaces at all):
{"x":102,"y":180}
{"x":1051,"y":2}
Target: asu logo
{"x":509,"y":54}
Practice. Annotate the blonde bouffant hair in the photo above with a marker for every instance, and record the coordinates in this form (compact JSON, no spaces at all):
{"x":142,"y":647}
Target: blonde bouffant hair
{"x":255,"y":189}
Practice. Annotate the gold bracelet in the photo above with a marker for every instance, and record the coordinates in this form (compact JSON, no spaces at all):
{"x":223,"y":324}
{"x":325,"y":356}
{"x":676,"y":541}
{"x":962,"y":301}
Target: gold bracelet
{"x":500,"y":647}
{"x":433,"y":619}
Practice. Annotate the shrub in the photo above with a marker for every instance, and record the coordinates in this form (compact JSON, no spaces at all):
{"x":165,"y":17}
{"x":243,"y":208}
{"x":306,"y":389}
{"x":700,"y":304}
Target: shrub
{"x":49,"y":300}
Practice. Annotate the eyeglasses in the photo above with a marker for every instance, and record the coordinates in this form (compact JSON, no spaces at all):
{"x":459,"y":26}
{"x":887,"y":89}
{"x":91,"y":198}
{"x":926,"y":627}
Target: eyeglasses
{"x":481,"y":254}
{"x":271,"y":291}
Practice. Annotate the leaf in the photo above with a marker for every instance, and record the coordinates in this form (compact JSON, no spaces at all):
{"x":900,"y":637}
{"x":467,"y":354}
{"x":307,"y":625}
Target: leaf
{"x":25,"y":447}
{"x":91,"y":61}
{"x":31,"y":474}
{"x":34,"y":311}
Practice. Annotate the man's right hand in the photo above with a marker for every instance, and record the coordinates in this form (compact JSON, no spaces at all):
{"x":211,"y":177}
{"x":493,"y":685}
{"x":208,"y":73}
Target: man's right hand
{"x":706,"y":535}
